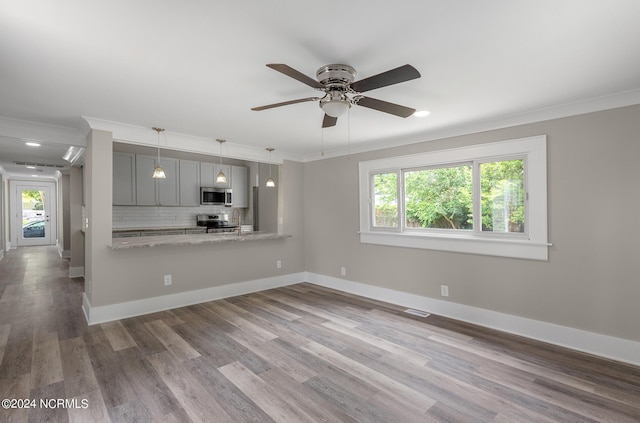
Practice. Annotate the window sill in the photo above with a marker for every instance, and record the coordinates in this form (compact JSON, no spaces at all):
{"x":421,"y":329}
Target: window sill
{"x":525,"y":249}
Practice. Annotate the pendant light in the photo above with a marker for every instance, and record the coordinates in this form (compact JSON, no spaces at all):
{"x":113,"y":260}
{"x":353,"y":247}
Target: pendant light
{"x":270,"y":182}
{"x":158,"y":172}
{"x":221,"y":178}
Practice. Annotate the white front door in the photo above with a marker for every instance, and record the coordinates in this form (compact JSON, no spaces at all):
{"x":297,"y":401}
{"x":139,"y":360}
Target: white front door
{"x":34,"y":219}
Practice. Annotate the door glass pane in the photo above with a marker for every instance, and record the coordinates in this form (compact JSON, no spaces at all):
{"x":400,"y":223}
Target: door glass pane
{"x":385,"y":200}
{"x":440,"y":198}
{"x":502,"y":186}
{"x":33,"y":215}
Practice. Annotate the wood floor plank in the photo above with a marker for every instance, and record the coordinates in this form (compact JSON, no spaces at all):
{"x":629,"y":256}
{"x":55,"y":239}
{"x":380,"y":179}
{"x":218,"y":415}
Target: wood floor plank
{"x":271,"y":307}
{"x":305,"y":398}
{"x":15,"y":388}
{"x":295,"y":353}
{"x":198,"y":405}
{"x":399,"y":351}
{"x":402,"y":393}
{"x":177,"y":346}
{"x":46,"y":364}
{"x":236,"y":404}
{"x":4,"y":337}
{"x":230,"y":314}
{"x":118,"y":336}
{"x":294,"y":302}
{"x":266,"y":397}
{"x":95,"y":412}
{"x":275,"y":358}
{"x":77,"y":369}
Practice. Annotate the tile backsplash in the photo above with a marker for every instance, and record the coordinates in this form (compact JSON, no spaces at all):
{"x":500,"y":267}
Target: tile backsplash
{"x":161,"y":217}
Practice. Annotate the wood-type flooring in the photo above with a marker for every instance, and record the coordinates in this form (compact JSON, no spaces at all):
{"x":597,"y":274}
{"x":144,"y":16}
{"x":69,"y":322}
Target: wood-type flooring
{"x":296,"y":354}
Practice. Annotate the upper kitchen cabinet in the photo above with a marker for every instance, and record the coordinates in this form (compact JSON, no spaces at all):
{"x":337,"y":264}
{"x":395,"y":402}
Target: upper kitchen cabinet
{"x":169,"y":187}
{"x":240,"y":186}
{"x":209,"y":172}
{"x":157,"y":192}
{"x":189,"y":183}
{"x":124,"y":179}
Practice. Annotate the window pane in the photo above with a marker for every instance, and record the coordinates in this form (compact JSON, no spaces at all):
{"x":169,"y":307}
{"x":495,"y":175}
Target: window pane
{"x":385,"y":200}
{"x":502,"y":186}
{"x":33,"y":215}
{"x":439,"y":198}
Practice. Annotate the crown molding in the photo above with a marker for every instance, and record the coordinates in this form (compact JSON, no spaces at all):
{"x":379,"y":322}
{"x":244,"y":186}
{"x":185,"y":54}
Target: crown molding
{"x":613,"y":101}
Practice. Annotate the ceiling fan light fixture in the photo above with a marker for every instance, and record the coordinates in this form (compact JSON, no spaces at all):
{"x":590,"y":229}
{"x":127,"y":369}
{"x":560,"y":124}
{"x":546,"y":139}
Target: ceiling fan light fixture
{"x":335,"y":107}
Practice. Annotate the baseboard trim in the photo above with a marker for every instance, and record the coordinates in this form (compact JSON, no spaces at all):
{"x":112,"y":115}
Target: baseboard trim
{"x":62,"y":252}
{"x":610,"y":347}
{"x":76,"y":272}
{"x":102,"y":314}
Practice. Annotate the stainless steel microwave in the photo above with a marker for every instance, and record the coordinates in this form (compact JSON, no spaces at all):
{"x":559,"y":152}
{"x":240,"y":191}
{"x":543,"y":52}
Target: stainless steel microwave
{"x":211,"y":196}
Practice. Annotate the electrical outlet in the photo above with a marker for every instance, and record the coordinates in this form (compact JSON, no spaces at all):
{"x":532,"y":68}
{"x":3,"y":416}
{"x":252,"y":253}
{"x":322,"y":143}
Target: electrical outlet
{"x":167,"y":280}
{"x":278,"y":264}
{"x":444,"y":290}
{"x":343,"y":271}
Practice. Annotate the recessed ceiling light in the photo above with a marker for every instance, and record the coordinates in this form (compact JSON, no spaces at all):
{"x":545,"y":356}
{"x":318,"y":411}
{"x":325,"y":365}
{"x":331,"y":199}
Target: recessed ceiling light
{"x":35,"y":176}
{"x":421,"y":113}
{"x":31,"y":166}
{"x":32,"y":144}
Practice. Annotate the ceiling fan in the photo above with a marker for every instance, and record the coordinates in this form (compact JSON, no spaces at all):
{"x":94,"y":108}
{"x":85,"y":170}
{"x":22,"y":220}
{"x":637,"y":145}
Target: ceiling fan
{"x":340,"y":90}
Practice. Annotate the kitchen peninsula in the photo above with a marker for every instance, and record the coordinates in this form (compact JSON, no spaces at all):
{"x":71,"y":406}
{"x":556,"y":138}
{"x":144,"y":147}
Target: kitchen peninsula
{"x":190,"y":239}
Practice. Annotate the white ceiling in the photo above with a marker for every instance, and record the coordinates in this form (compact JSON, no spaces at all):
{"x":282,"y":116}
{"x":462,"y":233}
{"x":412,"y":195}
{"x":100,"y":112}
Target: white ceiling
{"x":197,"y":67}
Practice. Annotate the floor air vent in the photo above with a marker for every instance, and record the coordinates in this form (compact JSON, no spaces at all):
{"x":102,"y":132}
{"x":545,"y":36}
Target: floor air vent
{"x":416,"y":312}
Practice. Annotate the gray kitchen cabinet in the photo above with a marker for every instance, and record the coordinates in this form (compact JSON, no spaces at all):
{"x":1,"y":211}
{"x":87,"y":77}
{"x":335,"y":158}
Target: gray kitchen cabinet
{"x":124,"y":179}
{"x":157,"y":192}
{"x":209,"y":172}
{"x":195,"y":231}
{"x":169,"y":187}
{"x":125,"y":234}
{"x":189,"y":183}
{"x":206,"y":174}
{"x":240,"y":186}
{"x":163,"y":232}
{"x":146,"y":187}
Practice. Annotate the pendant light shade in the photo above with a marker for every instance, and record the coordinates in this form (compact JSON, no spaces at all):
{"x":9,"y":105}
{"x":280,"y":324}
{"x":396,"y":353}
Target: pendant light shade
{"x":270,"y":182}
{"x":158,"y":172}
{"x":221,"y":178}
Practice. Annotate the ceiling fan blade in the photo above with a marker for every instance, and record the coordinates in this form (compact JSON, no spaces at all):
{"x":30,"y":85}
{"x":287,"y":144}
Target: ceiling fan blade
{"x":329,"y":121}
{"x":285,"y":103}
{"x":385,"y":106}
{"x":390,"y":77}
{"x":291,"y":72}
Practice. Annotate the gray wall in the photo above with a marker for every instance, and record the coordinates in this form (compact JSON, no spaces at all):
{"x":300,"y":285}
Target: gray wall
{"x":75,"y":219}
{"x":590,"y":281}
{"x":64,"y":228}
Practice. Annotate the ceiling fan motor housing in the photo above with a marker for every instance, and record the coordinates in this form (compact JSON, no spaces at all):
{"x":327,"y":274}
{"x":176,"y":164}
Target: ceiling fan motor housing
{"x":336,"y":76}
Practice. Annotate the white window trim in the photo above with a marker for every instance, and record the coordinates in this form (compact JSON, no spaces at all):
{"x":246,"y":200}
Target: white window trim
{"x":534,"y":247}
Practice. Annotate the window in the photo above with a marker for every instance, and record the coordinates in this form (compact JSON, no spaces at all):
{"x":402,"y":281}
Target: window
{"x":439,"y":198}
{"x":483,"y":199}
{"x":385,"y":200}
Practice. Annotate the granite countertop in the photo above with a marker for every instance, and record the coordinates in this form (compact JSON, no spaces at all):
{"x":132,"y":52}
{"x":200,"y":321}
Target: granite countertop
{"x":193,"y":239}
